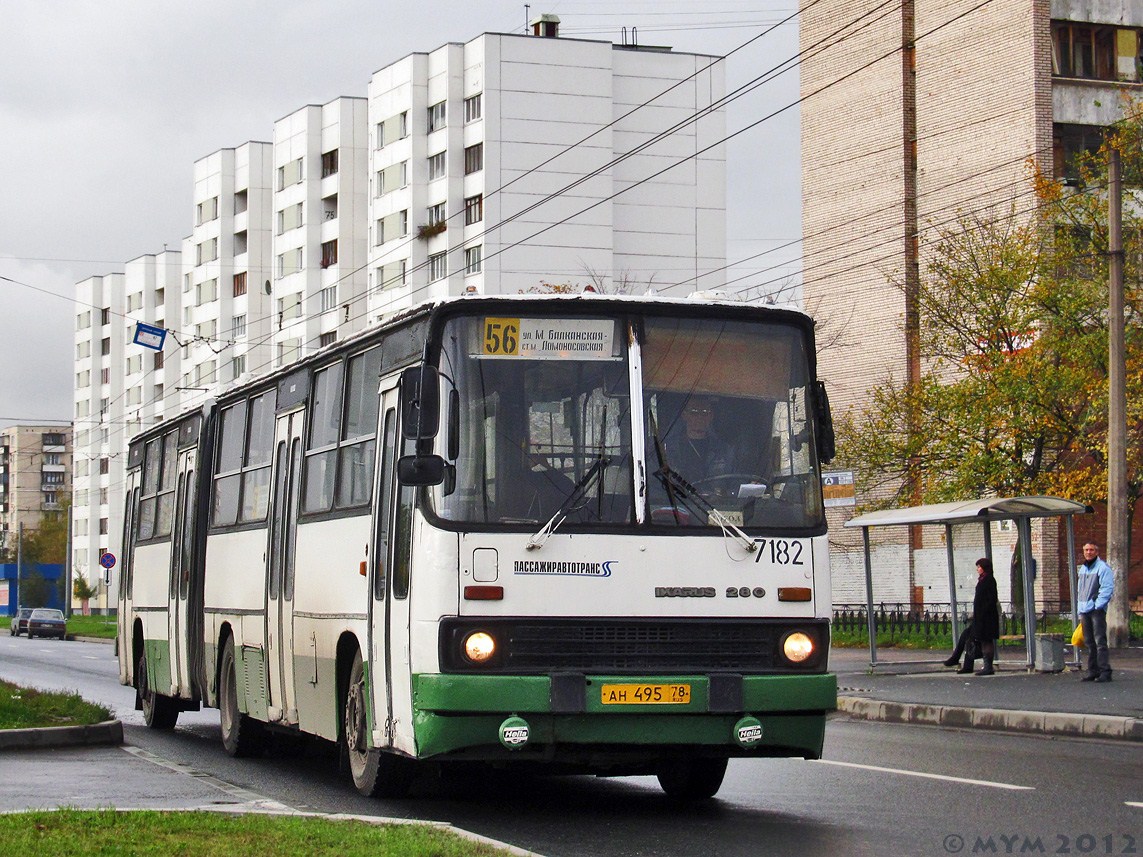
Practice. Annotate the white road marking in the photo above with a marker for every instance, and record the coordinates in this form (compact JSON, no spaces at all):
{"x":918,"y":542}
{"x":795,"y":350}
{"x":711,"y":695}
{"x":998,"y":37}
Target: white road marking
{"x":987,"y":783}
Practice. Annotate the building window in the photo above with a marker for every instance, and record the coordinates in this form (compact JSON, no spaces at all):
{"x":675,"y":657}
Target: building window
{"x":104,"y":466}
{"x":208,"y":210}
{"x":289,"y":351}
{"x":290,"y":262}
{"x":392,"y":177}
{"x":83,"y":320}
{"x":290,"y":174}
{"x":436,"y":166}
{"x":391,"y":274}
{"x":329,"y":253}
{"x":327,"y":339}
{"x":205,"y":329}
{"x":290,"y":307}
{"x":240,"y":284}
{"x":102,"y":526}
{"x":105,"y":315}
{"x":238,"y":326}
{"x":392,"y":129}
{"x":437,"y":116}
{"x":473,"y":210}
{"x":290,"y":217}
{"x":158,"y":364}
{"x":473,"y":108}
{"x":1069,"y":143}
{"x":472,"y":260}
{"x":329,"y":164}
{"x":395,"y":225}
{"x":105,"y":346}
{"x":329,"y":298}
{"x":436,"y":214}
{"x":1096,"y":52}
{"x":207,"y":291}
{"x":473,"y":159}
{"x":207,"y":251}
{"x":241,"y":242}
{"x":237,"y":367}
{"x":438,"y":267}
{"x":82,"y":350}
{"x":241,"y":202}
{"x":83,"y":379}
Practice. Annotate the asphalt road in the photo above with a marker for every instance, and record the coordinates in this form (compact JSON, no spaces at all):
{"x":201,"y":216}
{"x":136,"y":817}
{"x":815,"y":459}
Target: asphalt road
{"x":881,"y":790}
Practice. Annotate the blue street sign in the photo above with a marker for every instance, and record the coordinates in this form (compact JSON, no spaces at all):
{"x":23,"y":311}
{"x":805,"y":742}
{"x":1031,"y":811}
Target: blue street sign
{"x":149,"y":336}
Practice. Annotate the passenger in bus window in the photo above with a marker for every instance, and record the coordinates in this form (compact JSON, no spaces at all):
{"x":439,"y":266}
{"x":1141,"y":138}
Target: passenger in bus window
{"x":695,"y":450}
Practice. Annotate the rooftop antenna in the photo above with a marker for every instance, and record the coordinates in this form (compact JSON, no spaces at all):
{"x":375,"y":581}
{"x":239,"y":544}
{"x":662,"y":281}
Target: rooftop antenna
{"x":527,"y":15}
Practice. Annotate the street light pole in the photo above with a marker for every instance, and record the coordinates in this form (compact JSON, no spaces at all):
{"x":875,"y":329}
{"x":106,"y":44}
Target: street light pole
{"x":19,"y":563}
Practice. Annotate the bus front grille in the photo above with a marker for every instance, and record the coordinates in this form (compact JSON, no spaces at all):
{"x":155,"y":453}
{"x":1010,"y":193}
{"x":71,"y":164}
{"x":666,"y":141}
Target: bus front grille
{"x":626,"y":645}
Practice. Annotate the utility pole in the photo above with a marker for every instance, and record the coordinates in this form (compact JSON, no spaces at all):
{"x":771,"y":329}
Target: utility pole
{"x":1118,"y":555}
{"x":19,"y":564}
{"x":912,"y":261}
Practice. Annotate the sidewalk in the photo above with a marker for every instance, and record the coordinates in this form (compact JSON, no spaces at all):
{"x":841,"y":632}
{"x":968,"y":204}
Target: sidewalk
{"x":912,"y":686}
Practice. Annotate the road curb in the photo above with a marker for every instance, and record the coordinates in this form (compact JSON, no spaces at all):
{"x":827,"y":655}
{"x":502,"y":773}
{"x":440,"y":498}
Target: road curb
{"x":107,"y":732}
{"x":998,"y":719}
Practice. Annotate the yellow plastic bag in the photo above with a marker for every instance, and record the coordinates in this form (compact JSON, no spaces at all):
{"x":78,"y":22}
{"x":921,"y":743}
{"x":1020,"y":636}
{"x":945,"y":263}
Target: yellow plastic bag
{"x":1077,"y":636}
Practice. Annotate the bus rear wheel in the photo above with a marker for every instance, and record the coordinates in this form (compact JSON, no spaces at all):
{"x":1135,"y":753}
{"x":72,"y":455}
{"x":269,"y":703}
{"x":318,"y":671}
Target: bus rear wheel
{"x":159,"y":712}
{"x":375,"y":773}
{"x":692,"y":779}
{"x":242,"y":735}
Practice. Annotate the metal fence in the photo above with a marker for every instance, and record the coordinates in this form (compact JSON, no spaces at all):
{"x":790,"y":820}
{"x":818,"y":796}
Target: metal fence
{"x":935,"y":620}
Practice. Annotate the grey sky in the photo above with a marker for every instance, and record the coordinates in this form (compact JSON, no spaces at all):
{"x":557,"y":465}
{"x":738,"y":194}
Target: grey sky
{"x":104,"y":107}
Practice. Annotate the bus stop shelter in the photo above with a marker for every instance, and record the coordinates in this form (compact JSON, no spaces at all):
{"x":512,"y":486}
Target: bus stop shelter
{"x":1019,"y":510}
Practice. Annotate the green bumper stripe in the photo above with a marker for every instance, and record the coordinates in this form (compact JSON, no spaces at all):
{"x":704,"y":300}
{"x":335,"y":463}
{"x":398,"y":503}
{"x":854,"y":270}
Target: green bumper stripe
{"x":475,"y":694}
{"x":477,"y":735}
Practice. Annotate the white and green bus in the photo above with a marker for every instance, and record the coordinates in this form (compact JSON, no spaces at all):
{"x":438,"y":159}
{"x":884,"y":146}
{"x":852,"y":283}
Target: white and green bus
{"x":584,"y":533}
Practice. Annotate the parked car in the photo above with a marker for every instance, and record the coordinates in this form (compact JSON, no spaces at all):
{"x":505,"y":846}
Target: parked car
{"x":46,"y":622}
{"x":20,"y":621}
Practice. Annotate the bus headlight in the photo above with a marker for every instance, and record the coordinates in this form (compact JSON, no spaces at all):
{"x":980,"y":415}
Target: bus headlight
{"x":479,"y":647}
{"x":797,"y":647}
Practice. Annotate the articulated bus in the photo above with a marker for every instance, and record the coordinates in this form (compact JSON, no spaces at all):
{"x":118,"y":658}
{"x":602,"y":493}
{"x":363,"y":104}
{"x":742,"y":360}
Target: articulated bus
{"x":582,"y":533}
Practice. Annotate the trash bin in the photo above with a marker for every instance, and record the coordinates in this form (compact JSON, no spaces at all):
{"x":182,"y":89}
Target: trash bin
{"x":1050,"y":653}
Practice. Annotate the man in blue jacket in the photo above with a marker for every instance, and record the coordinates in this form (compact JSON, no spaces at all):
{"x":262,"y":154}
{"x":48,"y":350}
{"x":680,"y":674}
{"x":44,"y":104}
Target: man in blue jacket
{"x":1094,"y":586}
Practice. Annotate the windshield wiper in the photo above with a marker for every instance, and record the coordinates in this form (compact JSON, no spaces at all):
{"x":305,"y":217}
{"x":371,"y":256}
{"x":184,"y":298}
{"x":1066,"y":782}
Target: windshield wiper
{"x":679,"y":488}
{"x":578,"y":491}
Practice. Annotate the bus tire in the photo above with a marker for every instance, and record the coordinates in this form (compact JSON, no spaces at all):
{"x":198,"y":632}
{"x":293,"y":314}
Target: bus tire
{"x":375,"y":773}
{"x":242,"y":735}
{"x":692,"y":779}
{"x":159,"y":712}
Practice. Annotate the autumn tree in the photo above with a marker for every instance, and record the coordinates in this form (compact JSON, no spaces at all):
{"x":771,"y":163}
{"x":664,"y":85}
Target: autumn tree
{"x":1014,"y":338}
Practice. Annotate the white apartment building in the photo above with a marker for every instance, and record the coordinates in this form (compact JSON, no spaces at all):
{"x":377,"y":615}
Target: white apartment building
{"x":321,"y":158}
{"x":496,"y":168}
{"x":510,"y":150}
{"x":223,"y":314}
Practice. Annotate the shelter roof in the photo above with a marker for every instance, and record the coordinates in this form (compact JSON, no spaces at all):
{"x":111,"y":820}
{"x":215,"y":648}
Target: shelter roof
{"x":966,"y":511}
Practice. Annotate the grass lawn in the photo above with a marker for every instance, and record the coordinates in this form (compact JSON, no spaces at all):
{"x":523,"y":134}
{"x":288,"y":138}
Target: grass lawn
{"x":28,"y":708}
{"x":68,"y":832}
{"x":79,"y":626}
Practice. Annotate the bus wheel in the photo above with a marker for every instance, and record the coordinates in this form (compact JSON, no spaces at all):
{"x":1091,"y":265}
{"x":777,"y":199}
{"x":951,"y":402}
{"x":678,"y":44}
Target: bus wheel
{"x":692,"y":779}
{"x":375,"y":774}
{"x":159,"y":712}
{"x":241,"y":734}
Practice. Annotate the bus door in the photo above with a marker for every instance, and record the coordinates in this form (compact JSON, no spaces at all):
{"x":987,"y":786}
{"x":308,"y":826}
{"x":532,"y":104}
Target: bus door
{"x":127,"y":579}
{"x":182,"y":542}
{"x":389,"y":604}
{"x":280,"y":586}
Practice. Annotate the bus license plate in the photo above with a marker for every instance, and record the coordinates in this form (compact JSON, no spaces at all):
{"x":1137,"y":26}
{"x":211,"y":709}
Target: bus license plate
{"x":645,"y":694}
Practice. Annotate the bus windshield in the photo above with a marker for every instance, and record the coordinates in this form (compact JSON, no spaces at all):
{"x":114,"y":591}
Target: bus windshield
{"x":541,"y":402}
{"x":728,"y":424}
{"x":541,"y":422}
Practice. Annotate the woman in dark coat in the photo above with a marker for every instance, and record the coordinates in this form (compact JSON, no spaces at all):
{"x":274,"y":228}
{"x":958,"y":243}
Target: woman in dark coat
{"x":985,"y":619}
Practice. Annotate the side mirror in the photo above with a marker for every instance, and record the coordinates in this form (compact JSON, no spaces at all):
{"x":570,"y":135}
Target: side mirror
{"x":827,"y":446}
{"x":421,"y":469}
{"x":420,"y":403}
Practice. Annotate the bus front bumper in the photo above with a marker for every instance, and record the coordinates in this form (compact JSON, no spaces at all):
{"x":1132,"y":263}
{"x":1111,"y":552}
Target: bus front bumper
{"x":568,"y":717}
